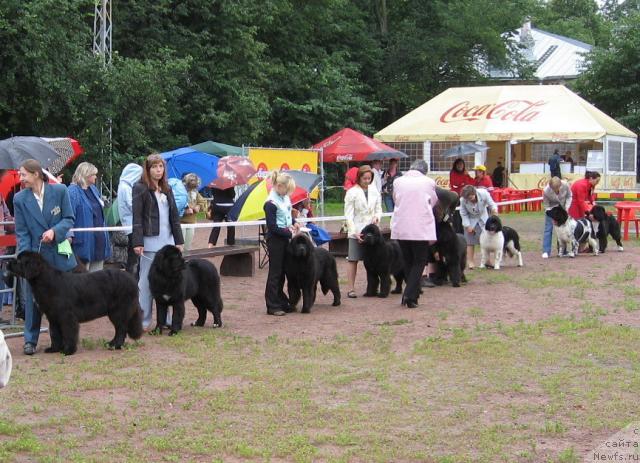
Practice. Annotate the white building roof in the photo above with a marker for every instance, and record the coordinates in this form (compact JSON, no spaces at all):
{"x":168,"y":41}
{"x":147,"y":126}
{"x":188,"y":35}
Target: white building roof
{"x":553,"y":56}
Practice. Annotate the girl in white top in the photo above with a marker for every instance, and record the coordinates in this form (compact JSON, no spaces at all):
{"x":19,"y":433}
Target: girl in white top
{"x":362,"y":206}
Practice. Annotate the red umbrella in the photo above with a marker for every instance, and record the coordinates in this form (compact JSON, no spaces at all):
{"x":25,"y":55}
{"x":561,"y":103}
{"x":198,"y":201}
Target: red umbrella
{"x":232,"y":171}
{"x":68,"y":150}
{"x":9,"y":180}
{"x":350,"y":145}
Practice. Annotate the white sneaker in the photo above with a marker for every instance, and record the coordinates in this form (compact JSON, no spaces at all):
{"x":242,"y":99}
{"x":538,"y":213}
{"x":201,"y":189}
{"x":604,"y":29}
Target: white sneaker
{"x":545,"y":255}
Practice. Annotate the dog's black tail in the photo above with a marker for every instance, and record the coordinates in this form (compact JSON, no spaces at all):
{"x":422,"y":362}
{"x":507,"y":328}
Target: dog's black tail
{"x":134,"y":328}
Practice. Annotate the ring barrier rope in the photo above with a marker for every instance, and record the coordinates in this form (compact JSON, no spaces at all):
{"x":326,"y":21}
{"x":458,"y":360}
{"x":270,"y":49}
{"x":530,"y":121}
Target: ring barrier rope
{"x":333,"y":218}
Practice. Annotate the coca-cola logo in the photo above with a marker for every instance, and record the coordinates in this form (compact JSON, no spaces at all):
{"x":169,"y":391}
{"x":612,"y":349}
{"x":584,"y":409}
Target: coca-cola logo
{"x":543,"y":182}
{"x":511,"y":110}
{"x":344,"y":157}
{"x":442,"y":182}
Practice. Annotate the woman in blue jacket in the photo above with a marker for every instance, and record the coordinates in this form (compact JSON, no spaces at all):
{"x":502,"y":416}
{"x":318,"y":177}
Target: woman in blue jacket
{"x":91,"y":248}
{"x":43,"y":217}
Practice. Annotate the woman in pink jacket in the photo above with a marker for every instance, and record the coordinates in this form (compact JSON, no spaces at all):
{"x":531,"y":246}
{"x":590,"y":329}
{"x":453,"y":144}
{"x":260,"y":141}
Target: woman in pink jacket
{"x":413,"y":225}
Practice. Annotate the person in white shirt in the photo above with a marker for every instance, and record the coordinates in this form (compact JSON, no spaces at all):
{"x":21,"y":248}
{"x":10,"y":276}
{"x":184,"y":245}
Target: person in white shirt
{"x":376,"y":168}
{"x":362,"y":206}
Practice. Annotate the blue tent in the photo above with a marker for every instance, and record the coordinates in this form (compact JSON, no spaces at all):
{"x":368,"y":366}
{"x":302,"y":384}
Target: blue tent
{"x":187,"y":160}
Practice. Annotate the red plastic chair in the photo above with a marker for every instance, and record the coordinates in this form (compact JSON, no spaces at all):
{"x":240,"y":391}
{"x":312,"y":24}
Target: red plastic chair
{"x":496,"y":195}
{"x":534,"y":205}
{"x":515,"y":195}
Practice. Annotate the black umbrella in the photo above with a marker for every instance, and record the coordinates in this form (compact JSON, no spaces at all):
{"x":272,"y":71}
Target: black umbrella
{"x":15,"y":150}
{"x":464,"y":148}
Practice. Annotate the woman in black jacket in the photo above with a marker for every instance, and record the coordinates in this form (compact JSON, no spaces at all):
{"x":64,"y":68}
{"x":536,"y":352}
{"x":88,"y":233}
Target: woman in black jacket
{"x":280,"y":228}
{"x":156,"y":223}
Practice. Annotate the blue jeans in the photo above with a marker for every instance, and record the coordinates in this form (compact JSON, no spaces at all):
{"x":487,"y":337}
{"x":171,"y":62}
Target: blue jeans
{"x":32,"y":315}
{"x":547,"y":234}
{"x":388,"y":202}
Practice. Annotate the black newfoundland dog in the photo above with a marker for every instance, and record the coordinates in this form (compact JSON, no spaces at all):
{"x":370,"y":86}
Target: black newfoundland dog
{"x":605,"y":225}
{"x":306,"y":265}
{"x":452,"y":255}
{"x":382,"y":259}
{"x":172,"y":281}
{"x":68,"y":299}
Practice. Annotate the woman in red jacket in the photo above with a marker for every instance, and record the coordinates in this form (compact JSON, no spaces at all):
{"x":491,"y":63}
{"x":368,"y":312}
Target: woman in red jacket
{"x":458,"y":176}
{"x":458,"y":179}
{"x":482,"y":180}
{"x":583,"y":195}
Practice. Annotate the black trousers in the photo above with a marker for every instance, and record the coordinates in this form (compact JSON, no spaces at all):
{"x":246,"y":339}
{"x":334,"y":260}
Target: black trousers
{"x":133,"y":260}
{"x":274,"y":295}
{"x":415,"y":254}
{"x":215,"y":232}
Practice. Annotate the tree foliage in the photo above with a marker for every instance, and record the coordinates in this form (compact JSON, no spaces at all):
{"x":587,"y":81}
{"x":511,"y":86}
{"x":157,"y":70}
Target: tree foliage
{"x":612,"y":76}
{"x":272,"y":72}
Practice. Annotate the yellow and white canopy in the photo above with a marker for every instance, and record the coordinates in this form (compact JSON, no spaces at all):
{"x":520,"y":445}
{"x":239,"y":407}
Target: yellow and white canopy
{"x":515,"y":112}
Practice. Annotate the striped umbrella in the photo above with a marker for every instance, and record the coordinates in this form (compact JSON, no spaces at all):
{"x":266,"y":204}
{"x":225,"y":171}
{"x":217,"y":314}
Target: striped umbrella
{"x":249,"y":206}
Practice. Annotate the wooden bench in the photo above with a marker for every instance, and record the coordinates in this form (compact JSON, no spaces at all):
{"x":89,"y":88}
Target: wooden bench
{"x":339,"y":244}
{"x":237,"y":261}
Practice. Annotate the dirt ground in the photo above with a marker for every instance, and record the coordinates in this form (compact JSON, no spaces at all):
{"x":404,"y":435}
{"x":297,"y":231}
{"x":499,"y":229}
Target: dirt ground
{"x":602,"y":285}
{"x":509,"y":295}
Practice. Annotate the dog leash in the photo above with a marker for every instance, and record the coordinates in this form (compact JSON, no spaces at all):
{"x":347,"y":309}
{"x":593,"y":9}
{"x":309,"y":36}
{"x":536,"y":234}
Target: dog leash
{"x":148,"y":258}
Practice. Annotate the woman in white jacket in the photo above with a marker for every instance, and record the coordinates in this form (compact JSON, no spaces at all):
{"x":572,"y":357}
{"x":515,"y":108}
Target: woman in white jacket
{"x":362,"y":206}
{"x":476,"y":205}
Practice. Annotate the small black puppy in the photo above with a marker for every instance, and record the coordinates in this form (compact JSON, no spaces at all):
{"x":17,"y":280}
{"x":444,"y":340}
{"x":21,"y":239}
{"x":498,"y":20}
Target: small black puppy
{"x":172,"y":281}
{"x":305,"y":266}
{"x":605,"y":225}
{"x":68,"y":299}
{"x":382,"y":259}
{"x":452,"y":253}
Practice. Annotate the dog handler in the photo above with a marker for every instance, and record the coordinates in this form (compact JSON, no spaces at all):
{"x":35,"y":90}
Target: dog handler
{"x":475,"y":207}
{"x":280,"y":228}
{"x":556,"y":193}
{"x":362,"y":206}
{"x":43,"y":216}
{"x":414,"y":225}
{"x":156,"y":223}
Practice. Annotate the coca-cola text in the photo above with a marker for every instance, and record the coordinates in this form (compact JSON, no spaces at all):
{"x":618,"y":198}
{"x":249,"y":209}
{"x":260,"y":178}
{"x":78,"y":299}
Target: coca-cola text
{"x":512,"y":110}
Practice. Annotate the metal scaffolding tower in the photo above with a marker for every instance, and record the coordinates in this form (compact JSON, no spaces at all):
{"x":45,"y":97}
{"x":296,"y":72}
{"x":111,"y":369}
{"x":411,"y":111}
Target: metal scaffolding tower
{"x":102,"y":28}
{"x":102,"y":31}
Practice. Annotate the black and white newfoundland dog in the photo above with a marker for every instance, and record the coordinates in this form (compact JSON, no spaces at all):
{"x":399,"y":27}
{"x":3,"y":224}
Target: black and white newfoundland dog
{"x":172,"y":281}
{"x":68,"y":299}
{"x":497,"y":240}
{"x":305,"y":266}
{"x":381,"y":259}
{"x":451,"y":261}
{"x":605,"y":225}
{"x":572,"y":234}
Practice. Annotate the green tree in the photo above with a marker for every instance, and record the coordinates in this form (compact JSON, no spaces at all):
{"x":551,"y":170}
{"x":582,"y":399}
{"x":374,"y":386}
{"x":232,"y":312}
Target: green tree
{"x":611,"y":78}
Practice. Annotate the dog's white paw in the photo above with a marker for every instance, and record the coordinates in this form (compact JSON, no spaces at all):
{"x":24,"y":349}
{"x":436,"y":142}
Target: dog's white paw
{"x":482,"y":266}
{"x":497,"y":267}
{"x":571,"y":254}
{"x":620,"y":248}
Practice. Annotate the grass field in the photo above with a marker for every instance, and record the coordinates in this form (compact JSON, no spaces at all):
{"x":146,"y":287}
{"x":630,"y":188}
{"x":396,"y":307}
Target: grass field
{"x":335,"y":400}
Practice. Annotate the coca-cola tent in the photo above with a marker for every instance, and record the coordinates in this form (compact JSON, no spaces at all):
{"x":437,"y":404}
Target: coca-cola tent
{"x":351,"y":145}
{"x":505,"y":113}
{"x":522,"y":125}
